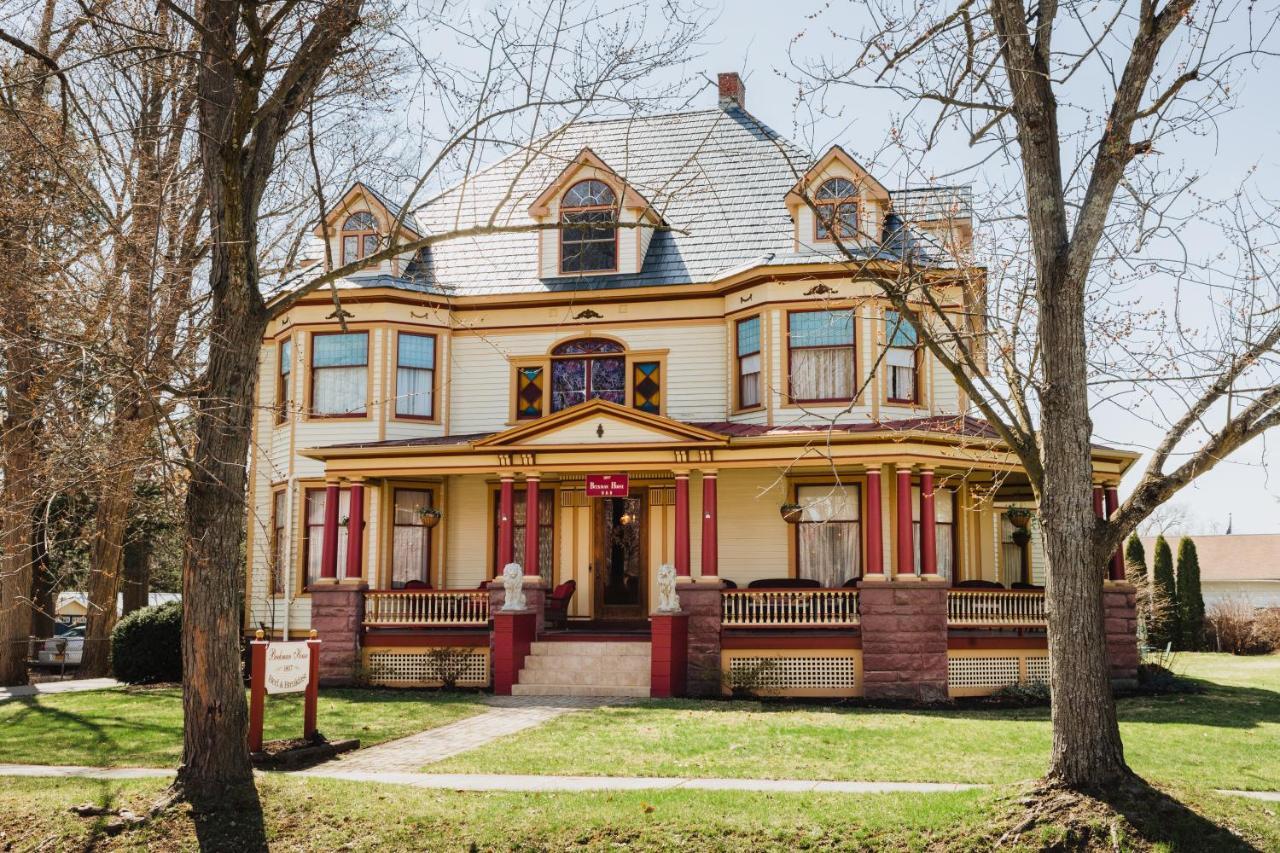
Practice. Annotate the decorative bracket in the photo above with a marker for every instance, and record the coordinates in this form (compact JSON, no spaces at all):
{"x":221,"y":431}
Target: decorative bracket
{"x":821,"y":290}
{"x":588,"y":314}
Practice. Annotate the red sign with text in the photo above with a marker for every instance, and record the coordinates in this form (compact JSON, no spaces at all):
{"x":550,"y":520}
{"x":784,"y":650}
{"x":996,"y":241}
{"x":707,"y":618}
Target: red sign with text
{"x":608,"y":485}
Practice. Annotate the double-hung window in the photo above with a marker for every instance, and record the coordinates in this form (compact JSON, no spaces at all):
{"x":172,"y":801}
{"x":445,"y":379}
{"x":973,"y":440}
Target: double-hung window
{"x":944,"y":525}
{"x":828,"y":536}
{"x":284,"y":380}
{"x":901,"y":359}
{"x":279,"y":537}
{"x":339,"y":374}
{"x":415,"y":375}
{"x":821,"y":353}
{"x":749,"y":363}
{"x":546,"y":529}
{"x":313,"y":541}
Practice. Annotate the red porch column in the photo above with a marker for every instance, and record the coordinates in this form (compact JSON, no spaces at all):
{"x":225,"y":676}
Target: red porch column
{"x":355,"y":531}
{"x":1117,"y":559}
{"x":531,"y":525}
{"x":329,"y":550}
{"x":1097,"y":502}
{"x":506,"y":523}
{"x":682,"y":523}
{"x":875,"y":529}
{"x":906,"y":537}
{"x":928,"y":532}
{"x":710,"y":542}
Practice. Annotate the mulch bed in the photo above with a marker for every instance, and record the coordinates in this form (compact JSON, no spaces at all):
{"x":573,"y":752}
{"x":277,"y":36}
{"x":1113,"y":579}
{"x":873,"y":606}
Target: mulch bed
{"x":298,"y":753}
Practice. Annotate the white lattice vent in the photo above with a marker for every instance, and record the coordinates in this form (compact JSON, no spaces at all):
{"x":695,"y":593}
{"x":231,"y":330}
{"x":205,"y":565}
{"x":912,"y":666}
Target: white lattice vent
{"x":1038,"y":669}
{"x":427,"y":667}
{"x":982,"y":672}
{"x":782,"y":674}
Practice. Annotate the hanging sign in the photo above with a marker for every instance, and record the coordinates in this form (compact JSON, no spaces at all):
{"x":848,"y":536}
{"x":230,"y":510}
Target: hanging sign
{"x":608,"y":485}
{"x":288,"y":668}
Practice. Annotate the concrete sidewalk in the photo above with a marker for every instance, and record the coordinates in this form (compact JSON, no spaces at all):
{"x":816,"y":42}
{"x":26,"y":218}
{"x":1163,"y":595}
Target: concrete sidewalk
{"x":74,"y":685}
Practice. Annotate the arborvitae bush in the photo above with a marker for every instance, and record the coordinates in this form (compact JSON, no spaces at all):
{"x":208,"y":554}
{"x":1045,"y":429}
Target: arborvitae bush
{"x":1164,"y":598}
{"x":146,"y":645}
{"x":1190,"y":600}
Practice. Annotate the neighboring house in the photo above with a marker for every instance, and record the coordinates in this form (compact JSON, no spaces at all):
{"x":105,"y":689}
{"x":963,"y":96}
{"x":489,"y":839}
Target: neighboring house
{"x":73,"y":607}
{"x":1237,"y":566}
{"x":675,"y":313}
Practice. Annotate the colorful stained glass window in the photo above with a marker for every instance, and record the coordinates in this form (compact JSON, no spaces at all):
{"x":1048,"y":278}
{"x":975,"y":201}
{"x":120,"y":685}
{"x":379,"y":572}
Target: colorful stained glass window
{"x":646,"y":393}
{"x":529,"y":392}
{"x":587,"y":346}
{"x":594,"y":374}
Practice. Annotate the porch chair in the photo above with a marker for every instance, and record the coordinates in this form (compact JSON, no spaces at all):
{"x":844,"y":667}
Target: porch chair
{"x":417,"y":585}
{"x":557,"y":609}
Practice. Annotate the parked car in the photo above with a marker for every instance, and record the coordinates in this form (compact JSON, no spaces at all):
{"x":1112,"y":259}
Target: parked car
{"x":67,"y":649}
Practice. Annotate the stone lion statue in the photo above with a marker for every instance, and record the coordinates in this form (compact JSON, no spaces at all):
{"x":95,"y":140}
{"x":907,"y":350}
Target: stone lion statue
{"x":668,"y":601}
{"x":513,"y":585}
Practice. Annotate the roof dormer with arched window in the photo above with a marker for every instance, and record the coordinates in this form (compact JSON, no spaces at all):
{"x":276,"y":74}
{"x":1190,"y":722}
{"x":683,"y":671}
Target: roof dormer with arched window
{"x":837,"y":201}
{"x":359,"y":226}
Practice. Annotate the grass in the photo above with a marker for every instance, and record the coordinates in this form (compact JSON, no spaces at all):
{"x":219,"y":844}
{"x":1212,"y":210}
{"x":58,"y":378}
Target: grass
{"x":142,"y":727}
{"x":1226,"y":737}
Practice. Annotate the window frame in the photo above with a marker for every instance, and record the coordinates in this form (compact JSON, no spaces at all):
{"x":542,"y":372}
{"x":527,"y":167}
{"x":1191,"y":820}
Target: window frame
{"x":835,"y":204}
{"x":738,"y":358}
{"x":855,"y":483}
{"x":552,"y":522}
{"x":283,"y":398}
{"x":363,"y":415}
{"x":915,"y":398}
{"x":954,"y":524}
{"x":360,"y":234}
{"x":548,"y":388}
{"x":432,"y":417}
{"x":852,"y":347}
{"x":435,"y":490}
{"x":304,"y":553}
{"x":614,"y":208}
{"x":276,"y":585}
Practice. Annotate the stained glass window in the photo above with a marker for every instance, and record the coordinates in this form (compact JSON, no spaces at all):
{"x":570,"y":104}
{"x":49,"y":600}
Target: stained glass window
{"x":529,"y":392}
{"x":646,"y":393}
{"x":596,"y":375}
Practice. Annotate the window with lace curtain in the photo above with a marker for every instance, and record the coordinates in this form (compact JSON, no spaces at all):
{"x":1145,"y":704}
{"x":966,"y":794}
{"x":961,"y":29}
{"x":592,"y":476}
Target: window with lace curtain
{"x":828,"y":537}
{"x":546,"y":530}
{"x":821,"y":356}
{"x":313,"y":533}
{"x":748,"y":362}
{"x":339,"y":374}
{"x":944,"y":525}
{"x":415,"y":375}
{"x":410,"y":538}
{"x":901,"y":359}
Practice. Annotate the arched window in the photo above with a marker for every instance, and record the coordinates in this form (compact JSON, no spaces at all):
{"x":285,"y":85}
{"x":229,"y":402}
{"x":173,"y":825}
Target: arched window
{"x":587,"y":369}
{"x":588,"y":233}
{"x":359,"y":236}
{"x":837,"y":203}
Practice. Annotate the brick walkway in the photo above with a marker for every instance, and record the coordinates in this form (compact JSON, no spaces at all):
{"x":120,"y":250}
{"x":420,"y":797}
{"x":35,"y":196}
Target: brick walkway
{"x":510,"y":714}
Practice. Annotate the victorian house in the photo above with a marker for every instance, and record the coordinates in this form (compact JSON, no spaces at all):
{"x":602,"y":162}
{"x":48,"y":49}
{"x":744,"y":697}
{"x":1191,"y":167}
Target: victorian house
{"x":661,"y":342}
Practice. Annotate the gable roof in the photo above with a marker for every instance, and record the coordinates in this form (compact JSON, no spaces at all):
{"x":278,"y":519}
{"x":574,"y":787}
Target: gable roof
{"x":637,"y":426}
{"x":1231,"y":557}
{"x":389,"y":209}
{"x":631,"y":198}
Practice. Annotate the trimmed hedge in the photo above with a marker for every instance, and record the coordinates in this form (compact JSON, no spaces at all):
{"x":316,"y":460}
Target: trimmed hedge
{"x":146,"y":645}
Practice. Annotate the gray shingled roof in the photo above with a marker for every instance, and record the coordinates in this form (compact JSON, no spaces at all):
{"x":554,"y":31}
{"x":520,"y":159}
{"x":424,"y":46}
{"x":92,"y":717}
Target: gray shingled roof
{"x":718,"y":177}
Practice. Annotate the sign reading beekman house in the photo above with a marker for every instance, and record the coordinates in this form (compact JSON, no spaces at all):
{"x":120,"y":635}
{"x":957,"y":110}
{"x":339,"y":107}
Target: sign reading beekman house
{"x":608,"y":485}
{"x":288,"y":667}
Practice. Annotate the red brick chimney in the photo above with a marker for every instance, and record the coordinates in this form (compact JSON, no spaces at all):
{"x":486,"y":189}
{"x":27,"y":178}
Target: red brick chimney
{"x":733,"y":92}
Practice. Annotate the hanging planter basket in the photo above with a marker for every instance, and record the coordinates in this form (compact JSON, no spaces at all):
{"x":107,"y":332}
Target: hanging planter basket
{"x":1019,"y":517}
{"x":791,"y":513}
{"x":429,"y":516}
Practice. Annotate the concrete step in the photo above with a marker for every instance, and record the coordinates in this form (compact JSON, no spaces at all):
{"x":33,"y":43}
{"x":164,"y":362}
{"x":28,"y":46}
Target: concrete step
{"x":587,"y":663}
{"x":578,"y":690}
{"x":577,"y":648}
{"x":620,"y":677}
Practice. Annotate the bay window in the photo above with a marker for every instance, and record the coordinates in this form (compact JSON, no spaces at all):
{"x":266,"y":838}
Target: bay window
{"x":901,"y":359}
{"x":339,"y":374}
{"x":415,"y":375}
{"x":828,"y":536}
{"x":821,"y":355}
{"x":748,"y":363}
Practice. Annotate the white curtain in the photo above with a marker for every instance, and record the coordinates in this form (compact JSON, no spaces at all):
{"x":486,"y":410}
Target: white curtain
{"x":411,"y":540}
{"x":902,"y":373}
{"x":315,"y":531}
{"x":279,"y":534}
{"x":749,"y":381}
{"x":822,"y":373}
{"x":339,"y":390}
{"x":414,"y":386}
{"x":828,"y":534}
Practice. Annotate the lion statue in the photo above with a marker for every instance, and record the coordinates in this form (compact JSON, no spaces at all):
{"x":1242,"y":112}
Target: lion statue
{"x":668,"y":601}
{"x":513,"y":584}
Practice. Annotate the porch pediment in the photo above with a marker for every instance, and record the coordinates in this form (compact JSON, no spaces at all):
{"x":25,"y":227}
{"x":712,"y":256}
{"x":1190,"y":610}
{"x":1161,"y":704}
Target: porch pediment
{"x":597,"y":423}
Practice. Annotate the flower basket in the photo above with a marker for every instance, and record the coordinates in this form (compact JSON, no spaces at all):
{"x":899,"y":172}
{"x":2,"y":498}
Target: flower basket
{"x":429,"y":516}
{"x":791,"y":513}
{"x":1019,"y":517}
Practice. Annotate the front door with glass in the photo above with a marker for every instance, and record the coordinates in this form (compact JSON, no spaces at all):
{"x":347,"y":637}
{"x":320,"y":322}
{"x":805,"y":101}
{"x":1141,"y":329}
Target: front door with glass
{"x":619,"y":557}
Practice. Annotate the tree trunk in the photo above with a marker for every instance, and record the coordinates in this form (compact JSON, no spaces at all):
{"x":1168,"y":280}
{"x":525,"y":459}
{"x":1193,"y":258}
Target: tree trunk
{"x":18,"y":450}
{"x":44,"y":596}
{"x":137,"y":574}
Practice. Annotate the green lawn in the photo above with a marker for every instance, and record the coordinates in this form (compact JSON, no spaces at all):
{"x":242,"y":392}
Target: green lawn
{"x":1227,"y":737}
{"x":142,"y":727}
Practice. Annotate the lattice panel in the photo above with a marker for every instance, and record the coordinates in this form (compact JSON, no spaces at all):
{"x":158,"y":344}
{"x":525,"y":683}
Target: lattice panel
{"x":799,"y":673}
{"x":1038,"y":669}
{"x":981,"y":672}
{"x":419,"y":667}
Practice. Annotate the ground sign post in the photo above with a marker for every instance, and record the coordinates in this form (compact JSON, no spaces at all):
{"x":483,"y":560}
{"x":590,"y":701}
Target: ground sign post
{"x":282,"y":668}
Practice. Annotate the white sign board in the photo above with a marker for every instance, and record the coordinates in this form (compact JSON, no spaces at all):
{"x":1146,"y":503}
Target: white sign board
{"x":288,"y":667}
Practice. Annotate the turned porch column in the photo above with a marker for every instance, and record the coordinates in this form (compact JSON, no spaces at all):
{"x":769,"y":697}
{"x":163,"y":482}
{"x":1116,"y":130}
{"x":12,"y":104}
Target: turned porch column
{"x":710,"y":543}
{"x":1117,"y":559}
{"x":531,"y":525}
{"x":682,"y":523}
{"x":928,"y":530}
{"x":906,"y":538}
{"x":329,"y":548}
{"x":506,"y":523}
{"x":875,"y":529}
{"x":355,"y":531}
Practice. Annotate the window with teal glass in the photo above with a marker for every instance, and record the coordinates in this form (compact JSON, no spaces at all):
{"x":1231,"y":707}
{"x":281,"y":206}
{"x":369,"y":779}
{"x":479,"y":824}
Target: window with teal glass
{"x":339,"y":374}
{"x":901,"y":359}
{"x":415,"y":375}
{"x":749,"y":363}
{"x":820,"y":349}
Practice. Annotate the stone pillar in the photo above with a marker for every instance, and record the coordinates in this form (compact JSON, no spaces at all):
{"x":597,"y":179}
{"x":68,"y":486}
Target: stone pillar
{"x":710,"y":528}
{"x":700,"y":602}
{"x":531,"y":526}
{"x":928,"y":530}
{"x":906,"y":538}
{"x":535,"y":597}
{"x":355,"y":531}
{"x":669,"y":655}
{"x":337,"y":616}
{"x":875,"y":529}
{"x":682,"y":523}
{"x":506,"y":522}
{"x":1117,"y":558}
{"x":1120,"y":614}
{"x":513,"y":635}
{"x":904,"y":640}
{"x":329,"y":547}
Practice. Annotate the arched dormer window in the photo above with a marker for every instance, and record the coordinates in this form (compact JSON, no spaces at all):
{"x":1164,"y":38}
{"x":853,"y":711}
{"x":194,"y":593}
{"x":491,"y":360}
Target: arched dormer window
{"x":588,"y":233}
{"x":359,"y":236}
{"x":837,"y":204}
{"x":587,"y":369}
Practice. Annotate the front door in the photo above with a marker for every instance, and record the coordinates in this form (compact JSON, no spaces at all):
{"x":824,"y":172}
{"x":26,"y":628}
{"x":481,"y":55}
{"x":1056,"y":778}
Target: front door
{"x":619,"y":557}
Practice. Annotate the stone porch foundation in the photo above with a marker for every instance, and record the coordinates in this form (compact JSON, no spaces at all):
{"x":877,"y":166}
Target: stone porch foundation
{"x":337,"y":617}
{"x":904,"y":640}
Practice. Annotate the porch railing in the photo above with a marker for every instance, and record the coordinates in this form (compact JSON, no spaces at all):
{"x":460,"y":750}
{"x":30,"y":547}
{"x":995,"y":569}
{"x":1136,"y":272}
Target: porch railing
{"x":995,"y":607}
{"x":788,"y":608}
{"x":445,"y":608}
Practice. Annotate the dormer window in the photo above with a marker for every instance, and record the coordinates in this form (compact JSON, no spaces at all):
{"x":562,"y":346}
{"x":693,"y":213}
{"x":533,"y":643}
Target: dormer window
{"x":837,"y":204}
{"x":589,"y":231}
{"x":359,"y":236}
